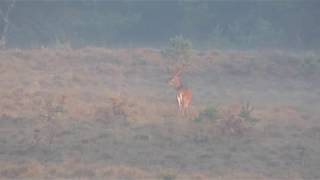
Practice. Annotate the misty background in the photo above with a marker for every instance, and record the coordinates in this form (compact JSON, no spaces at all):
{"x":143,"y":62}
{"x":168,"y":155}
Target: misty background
{"x":84,"y":92}
{"x":209,"y":24}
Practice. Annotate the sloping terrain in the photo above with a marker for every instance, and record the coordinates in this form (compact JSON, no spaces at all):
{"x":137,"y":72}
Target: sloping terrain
{"x":98,"y":113}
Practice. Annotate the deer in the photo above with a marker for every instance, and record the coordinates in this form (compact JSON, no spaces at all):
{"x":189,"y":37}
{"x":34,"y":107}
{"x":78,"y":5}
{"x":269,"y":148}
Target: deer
{"x":184,"y":94}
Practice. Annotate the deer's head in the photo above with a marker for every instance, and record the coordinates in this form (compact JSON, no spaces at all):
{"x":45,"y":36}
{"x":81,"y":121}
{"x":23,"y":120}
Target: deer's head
{"x":174,"y":80}
{"x":175,"y":77}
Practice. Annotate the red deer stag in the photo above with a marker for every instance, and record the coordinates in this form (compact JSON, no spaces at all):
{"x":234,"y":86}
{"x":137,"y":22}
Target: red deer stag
{"x":184,"y":94}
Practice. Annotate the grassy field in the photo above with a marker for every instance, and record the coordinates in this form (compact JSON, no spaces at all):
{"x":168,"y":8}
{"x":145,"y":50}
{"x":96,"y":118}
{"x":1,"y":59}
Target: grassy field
{"x":109,"y":113}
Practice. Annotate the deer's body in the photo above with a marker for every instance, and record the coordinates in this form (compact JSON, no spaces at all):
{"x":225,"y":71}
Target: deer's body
{"x":184,"y":94}
{"x":184,"y":98}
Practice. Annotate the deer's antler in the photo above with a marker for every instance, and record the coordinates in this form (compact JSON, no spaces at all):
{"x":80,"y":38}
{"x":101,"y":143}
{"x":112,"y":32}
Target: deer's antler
{"x":178,"y":69}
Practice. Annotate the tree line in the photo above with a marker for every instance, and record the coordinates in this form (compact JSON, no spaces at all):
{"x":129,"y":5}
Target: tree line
{"x":209,"y":24}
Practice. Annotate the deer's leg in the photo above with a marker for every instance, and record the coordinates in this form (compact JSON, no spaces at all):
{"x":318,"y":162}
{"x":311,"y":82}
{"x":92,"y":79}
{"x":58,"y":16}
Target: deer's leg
{"x":179,"y":100}
{"x":184,"y":105}
{"x":187,"y":110}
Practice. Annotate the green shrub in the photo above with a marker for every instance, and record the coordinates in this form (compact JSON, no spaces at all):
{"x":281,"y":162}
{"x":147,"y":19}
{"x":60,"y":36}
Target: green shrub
{"x":311,"y":64}
{"x":245,"y":113}
{"x":210,"y":114}
{"x":168,"y":177}
{"x":179,"y":50}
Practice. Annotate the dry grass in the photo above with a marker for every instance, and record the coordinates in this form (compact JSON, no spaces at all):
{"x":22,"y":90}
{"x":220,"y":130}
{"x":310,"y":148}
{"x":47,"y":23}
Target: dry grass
{"x":108,"y":113}
{"x":69,"y":169}
{"x":74,"y":169}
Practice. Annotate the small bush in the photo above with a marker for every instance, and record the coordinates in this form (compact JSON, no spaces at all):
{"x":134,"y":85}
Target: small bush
{"x":311,"y":65}
{"x":236,"y":121}
{"x":119,"y":106}
{"x":245,"y":113}
{"x":168,"y":177}
{"x":52,"y":108}
{"x":62,"y":43}
{"x":210,"y":114}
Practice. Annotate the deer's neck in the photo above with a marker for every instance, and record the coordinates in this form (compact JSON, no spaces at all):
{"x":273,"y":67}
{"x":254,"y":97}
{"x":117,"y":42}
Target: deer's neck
{"x":179,"y":86}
